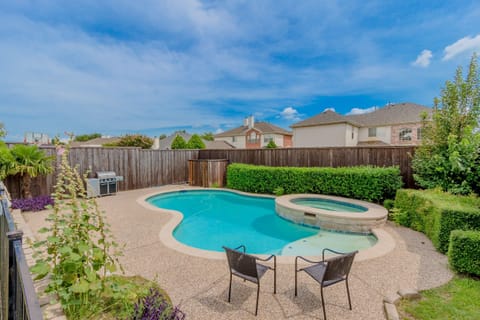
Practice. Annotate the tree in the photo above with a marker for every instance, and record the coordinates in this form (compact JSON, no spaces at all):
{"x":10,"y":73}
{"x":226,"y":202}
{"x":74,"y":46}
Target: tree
{"x":271,"y":145}
{"x":162,"y":136}
{"x":133,"y":140}
{"x":450,"y":152}
{"x":208,"y":136}
{"x":195,"y":142}
{"x":178,"y":143}
{"x":29,"y":162}
{"x":3,"y":132}
{"x":87,"y":137}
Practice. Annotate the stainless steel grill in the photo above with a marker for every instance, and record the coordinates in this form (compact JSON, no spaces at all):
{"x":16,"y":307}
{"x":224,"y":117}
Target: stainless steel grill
{"x":104,"y":184}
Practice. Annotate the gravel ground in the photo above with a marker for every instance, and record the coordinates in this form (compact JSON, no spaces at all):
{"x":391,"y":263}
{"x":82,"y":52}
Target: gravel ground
{"x":200,"y":285}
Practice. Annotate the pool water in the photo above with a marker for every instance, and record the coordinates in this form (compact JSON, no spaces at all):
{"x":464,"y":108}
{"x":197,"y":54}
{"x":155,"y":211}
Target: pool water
{"x":328,"y":204}
{"x":213,"y":219}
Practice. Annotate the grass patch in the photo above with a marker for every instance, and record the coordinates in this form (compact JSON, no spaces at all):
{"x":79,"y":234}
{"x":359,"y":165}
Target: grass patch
{"x":459,"y":299}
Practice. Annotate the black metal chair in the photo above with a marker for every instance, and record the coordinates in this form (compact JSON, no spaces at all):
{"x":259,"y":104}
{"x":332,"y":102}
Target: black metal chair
{"x":328,"y":272}
{"x":245,"y":266}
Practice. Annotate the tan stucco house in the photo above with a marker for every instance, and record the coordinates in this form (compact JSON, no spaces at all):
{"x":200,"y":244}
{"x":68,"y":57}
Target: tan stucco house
{"x":254,"y":135}
{"x":395,"y":124}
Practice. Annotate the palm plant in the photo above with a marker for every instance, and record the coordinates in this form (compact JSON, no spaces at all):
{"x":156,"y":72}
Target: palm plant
{"x":29,"y":162}
{"x":6,"y":161}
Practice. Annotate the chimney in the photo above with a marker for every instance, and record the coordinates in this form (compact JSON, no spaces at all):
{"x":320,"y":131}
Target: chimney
{"x":251,"y":122}
{"x":245,"y":122}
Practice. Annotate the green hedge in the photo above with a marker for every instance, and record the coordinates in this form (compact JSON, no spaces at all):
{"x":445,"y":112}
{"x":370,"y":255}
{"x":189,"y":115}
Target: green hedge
{"x":436,"y":214}
{"x":365,"y":183}
{"x":464,"y":251}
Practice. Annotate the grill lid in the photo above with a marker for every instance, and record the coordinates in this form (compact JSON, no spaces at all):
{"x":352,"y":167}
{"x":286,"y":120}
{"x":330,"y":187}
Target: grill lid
{"x":106,"y":174}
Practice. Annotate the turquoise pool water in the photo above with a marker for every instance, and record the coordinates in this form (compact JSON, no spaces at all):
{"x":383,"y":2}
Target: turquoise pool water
{"x":213,"y":219}
{"x":328,"y":204}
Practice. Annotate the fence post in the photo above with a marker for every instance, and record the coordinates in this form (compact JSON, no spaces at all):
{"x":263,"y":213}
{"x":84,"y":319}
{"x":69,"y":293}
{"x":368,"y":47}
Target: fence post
{"x":14,"y":297}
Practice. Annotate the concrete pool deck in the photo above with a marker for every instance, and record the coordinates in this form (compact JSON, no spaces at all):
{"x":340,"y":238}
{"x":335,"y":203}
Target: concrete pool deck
{"x":200,"y":285}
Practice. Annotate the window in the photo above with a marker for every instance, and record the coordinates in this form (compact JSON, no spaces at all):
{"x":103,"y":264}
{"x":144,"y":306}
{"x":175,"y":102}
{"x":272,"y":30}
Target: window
{"x":267,"y":139}
{"x":353,"y":135}
{"x":419,"y":133}
{"x":372,"y":132}
{"x":405,"y":134}
{"x":253,"y":137}
{"x":234,"y":139}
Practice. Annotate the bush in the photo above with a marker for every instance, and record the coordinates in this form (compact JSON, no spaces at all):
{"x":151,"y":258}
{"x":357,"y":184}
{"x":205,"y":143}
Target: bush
{"x":156,"y":306}
{"x":178,"y":143}
{"x":134,"y":140}
{"x":436,"y":214}
{"x":464,"y":251}
{"x":33,"y":204}
{"x":365,"y":183}
{"x":195,"y":142}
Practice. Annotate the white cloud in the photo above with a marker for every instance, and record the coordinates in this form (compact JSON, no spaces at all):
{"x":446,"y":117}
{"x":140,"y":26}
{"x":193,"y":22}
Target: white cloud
{"x":423,"y":59}
{"x":219,"y":130}
{"x":329,"y":109}
{"x":290,"y":113}
{"x":355,"y":111}
{"x":465,"y":44}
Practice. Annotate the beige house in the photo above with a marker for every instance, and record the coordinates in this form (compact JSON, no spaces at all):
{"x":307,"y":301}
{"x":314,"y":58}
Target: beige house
{"x":395,"y":124}
{"x":255,"y":135}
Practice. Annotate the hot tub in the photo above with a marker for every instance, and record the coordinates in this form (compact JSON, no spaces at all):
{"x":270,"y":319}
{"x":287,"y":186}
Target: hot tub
{"x":331,"y":213}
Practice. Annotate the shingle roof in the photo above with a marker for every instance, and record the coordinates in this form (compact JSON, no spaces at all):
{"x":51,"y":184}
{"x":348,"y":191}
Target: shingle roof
{"x":263,"y":127}
{"x":326,"y":117}
{"x":219,"y":144}
{"x":97,"y":142}
{"x":392,"y":114}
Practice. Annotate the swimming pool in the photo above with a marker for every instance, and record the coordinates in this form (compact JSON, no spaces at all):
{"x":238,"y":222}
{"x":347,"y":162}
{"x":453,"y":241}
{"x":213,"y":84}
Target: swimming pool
{"x":216,"y":218}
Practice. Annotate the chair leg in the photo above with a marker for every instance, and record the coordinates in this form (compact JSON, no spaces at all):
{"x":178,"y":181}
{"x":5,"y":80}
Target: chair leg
{"x":296,"y":272}
{"x":348,"y":295}
{"x":275,"y":281}
{"x":258,"y":293}
{"x":230,"y":287}
{"x":323,"y":304}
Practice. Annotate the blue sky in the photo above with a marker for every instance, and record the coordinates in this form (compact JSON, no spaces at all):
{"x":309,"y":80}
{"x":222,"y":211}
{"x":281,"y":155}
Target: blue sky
{"x":119,"y":67}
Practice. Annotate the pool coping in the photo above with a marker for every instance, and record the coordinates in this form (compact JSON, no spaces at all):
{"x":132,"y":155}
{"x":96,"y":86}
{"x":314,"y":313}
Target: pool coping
{"x":362,"y":222}
{"x":384,"y":245}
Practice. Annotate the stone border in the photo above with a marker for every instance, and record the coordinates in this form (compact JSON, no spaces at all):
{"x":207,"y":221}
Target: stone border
{"x":384,"y":245}
{"x":390,"y":302}
{"x":50,"y":311}
{"x":374,"y":217}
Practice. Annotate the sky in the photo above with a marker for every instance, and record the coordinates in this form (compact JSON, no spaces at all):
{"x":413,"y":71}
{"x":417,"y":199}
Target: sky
{"x":153,"y":67}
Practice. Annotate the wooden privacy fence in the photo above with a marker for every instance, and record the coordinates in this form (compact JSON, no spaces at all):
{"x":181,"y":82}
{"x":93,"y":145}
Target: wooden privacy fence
{"x":148,"y":168}
{"x":139,"y":168}
{"x":322,"y":157}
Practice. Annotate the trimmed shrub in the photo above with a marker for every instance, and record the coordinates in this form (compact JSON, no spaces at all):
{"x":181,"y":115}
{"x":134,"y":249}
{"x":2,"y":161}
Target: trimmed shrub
{"x":436,"y":214}
{"x":365,"y":183}
{"x":464,"y":251}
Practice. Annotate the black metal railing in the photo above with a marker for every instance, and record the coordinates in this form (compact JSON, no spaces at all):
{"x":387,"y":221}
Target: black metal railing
{"x":17,"y":294}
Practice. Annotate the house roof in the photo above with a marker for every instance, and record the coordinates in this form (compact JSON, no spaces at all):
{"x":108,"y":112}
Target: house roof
{"x":326,"y":117}
{"x":166,"y":143}
{"x":97,"y":142}
{"x":390,"y":115}
{"x":219,"y":144}
{"x":263,"y":127}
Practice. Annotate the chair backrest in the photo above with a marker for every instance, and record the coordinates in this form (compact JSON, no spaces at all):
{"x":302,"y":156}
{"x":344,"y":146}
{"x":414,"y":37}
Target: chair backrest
{"x":241,"y":262}
{"x":338,"y":267}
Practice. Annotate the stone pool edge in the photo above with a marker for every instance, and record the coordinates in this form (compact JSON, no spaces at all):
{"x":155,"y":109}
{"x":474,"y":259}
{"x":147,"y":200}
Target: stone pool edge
{"x":384,"y":245}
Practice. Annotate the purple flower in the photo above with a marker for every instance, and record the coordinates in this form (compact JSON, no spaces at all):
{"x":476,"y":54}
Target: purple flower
{"x":34,"y":204}
{"x":154,"y":306}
